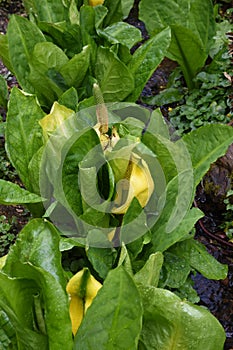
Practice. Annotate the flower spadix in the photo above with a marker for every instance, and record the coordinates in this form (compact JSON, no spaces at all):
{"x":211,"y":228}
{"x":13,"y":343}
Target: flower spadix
{"x":82,"y":289}
{"x":131,"y":172}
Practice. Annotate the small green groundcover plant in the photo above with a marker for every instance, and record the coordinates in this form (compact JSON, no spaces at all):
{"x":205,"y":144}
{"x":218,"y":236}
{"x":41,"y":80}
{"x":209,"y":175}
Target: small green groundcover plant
{"x":209,"y":99}
{"x":7,"y":238}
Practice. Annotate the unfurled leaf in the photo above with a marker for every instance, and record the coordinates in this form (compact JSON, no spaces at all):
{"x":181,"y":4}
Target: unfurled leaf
{"x":65,"y":35}
{"x":177,"y":270}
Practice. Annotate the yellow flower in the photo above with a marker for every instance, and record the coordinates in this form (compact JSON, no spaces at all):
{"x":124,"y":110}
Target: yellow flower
{"x":82,"y":289}
{"x":96,"y":2}
{"x":137,"y":183}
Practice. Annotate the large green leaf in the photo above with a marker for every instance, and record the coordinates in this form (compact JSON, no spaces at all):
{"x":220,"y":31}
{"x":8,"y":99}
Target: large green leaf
{"x":48,"y":11}
{"x":122,"y":33}
{"x":158,"y":15}
{"x":197,"y":15}
{"x":37,"y":245}
{"x":187,"y":49}
{"x":11,"y":193}
{"x":23,"y":35}
{"x":45,"y":63}
{"x":205,"y":145}
{"x":198,"y":257}
{"x":202,"y":21}
{"x":166,"y":232}
{"x":175,"y":197}
{"x":170,"y":323}
{"x":36,"y":257}
{"x":23,"y":133}
{"x":115,"y":79}
{"x":75,"y":69}
{"x":177,"y":270}
{"x":193,"y":27}
{"x":113,"y":321}
{"x":176,"y":219}
{"x":146,"y":59}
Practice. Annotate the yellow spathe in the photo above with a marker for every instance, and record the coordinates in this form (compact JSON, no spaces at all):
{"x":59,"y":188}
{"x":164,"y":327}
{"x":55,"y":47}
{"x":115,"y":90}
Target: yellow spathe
{"x":96,"y":2}
{"x":82,"y":289}
{"x":137,"y":183}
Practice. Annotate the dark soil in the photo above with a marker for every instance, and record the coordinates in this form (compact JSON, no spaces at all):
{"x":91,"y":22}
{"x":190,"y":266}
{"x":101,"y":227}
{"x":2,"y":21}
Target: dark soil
{"x":7,"y":172}
{"x":217,"y":296}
